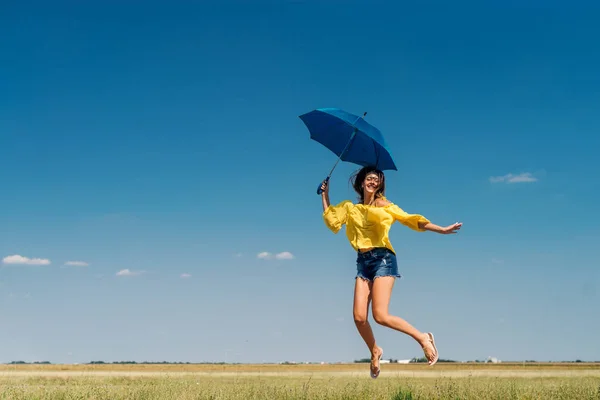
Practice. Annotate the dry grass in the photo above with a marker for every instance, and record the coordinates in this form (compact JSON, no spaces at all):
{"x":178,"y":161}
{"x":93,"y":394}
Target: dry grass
{"x":305,"y":368}
{"x":338,"y":381}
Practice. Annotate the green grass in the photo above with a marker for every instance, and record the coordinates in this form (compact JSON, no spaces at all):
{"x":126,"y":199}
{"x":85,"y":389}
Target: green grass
{"x":314,"y":386}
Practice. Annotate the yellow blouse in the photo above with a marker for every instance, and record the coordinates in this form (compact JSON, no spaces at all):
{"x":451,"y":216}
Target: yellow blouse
{"x":369,"y":226}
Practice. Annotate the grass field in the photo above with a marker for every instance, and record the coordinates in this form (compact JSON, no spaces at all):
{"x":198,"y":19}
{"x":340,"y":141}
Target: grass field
{"x":338,"y":381}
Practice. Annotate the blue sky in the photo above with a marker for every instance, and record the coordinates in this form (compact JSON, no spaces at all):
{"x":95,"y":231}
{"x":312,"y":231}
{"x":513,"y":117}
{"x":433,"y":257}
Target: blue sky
{"x":157,"y":141}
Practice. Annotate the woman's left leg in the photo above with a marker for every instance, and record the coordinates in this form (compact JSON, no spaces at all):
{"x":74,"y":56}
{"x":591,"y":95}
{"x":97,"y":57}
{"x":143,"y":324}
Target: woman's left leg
{"x":381,"y":293}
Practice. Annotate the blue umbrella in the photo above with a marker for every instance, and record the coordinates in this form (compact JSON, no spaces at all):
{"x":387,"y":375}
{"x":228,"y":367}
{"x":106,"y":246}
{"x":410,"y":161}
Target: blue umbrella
{"x":350,"y":137}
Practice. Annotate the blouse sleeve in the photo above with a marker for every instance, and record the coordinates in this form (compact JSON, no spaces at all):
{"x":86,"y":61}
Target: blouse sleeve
{"x":336,"y":216}
{"x":410,"y":220}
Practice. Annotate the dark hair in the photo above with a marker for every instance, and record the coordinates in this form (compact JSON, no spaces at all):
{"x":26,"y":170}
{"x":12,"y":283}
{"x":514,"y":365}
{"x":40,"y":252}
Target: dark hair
{"x":358,"y":177}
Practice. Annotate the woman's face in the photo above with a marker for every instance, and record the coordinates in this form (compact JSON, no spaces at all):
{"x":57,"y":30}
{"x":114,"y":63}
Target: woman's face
{"x":371,"y":183}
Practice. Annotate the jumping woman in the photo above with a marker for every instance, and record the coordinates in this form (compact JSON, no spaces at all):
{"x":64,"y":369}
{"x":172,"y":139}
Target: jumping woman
{"x":367,"y":227}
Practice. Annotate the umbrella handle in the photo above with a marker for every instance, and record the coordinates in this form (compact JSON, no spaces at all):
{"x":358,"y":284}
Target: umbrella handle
{"x":319,"y":190}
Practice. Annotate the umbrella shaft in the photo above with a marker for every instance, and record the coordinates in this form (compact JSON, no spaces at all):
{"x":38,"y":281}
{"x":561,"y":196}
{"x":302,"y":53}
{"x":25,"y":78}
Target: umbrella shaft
{"x":347,"y":144}
{"x":342,"y":153}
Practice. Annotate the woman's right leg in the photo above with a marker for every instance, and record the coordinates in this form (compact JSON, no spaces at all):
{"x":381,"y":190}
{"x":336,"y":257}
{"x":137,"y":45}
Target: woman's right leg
{"x":362,"y":299}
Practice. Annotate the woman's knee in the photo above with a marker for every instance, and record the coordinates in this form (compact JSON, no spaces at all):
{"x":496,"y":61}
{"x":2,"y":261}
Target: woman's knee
{"x":360,"y":318}
{"x":381,"y":317}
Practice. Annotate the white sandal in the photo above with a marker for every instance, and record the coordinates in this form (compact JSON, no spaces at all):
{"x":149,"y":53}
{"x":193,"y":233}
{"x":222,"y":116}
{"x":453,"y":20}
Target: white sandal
{"x":436,"y":355}
{"x":375,"y":375}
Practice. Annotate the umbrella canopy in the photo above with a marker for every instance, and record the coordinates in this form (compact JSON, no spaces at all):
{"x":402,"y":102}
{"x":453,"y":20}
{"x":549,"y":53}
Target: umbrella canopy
{"x":350,"y":137}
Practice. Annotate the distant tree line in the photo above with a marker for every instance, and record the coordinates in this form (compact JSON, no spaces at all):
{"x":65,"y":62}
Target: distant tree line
{"x":35,"y":362}
{"x":151,"y":362}
{"x":120,"y":362}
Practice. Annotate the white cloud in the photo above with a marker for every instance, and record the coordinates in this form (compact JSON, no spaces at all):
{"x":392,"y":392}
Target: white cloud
{"x":185,"y":276}
{"x":127,"y":272}
{"x":286,"y":255}
{"x":77,"y":263}
{"x":17,"y":259}
{"x":524,"y":177}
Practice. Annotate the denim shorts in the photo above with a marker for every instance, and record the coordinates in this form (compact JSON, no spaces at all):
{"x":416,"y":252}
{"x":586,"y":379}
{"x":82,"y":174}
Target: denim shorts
{"x":377,"y":262}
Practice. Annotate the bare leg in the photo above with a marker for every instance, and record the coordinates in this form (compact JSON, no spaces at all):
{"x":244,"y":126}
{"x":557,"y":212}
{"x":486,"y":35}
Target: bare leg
{"x":381,"y":293}
{"x":362,"y":298}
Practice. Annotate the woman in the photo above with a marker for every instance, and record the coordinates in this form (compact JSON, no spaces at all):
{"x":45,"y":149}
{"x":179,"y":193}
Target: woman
{"x":367,"y":227}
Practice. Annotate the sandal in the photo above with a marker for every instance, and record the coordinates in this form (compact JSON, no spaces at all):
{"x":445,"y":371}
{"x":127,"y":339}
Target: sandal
{"x":435,"y":355}
{"x":376,"y":374}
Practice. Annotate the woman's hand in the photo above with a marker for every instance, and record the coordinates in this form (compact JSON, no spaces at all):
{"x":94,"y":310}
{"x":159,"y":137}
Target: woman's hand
{"x":451,"y":229}
{"x":325,"y":188}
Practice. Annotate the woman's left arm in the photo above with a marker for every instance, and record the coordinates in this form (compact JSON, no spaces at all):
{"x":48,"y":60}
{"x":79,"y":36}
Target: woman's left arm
{"x":418,"y":222}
